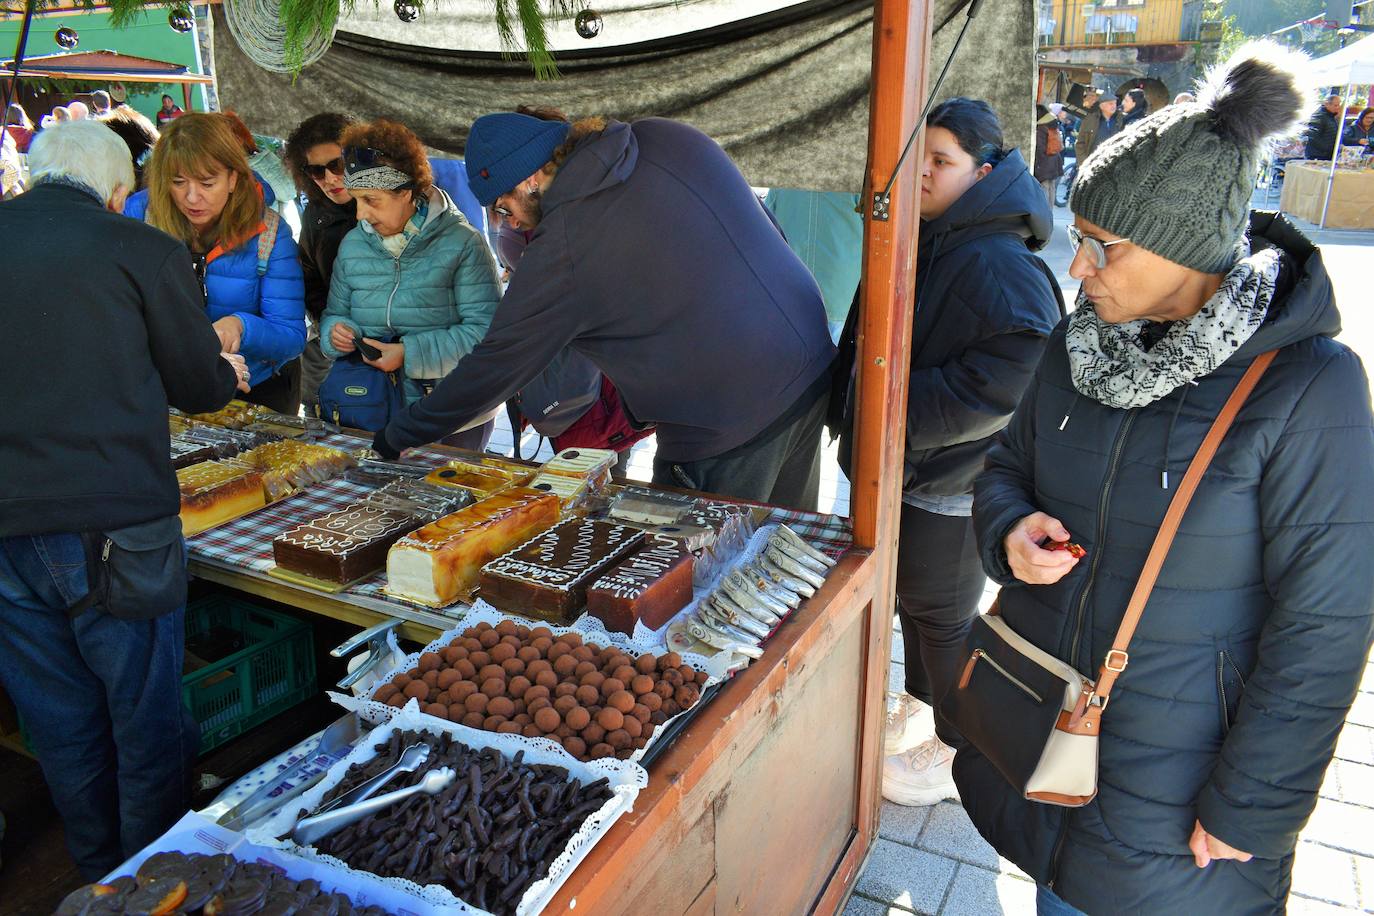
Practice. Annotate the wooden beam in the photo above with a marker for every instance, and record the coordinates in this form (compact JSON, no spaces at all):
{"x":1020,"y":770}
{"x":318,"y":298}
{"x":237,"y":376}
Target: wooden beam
{"x":901,"y":45}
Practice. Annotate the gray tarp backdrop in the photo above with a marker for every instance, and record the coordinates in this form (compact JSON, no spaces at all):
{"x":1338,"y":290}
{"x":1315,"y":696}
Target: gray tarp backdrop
{"x":785,"y":93}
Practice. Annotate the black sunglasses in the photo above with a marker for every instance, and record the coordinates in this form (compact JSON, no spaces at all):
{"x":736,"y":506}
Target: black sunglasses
{"x":360,"y":158}
{"x":335,"y":165}
{"x":357,"y":158}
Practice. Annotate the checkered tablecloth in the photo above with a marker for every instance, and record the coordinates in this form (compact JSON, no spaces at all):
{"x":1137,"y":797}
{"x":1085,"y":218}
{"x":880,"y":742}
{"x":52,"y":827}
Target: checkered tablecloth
{"x":246,"y":543}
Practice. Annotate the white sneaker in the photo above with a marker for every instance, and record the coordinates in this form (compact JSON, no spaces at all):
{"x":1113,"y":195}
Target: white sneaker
{"x":902,"y":727}
{"x":921,"y":776}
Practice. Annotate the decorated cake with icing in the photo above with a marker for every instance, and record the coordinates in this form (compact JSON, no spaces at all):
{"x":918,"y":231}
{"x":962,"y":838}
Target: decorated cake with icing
{"x":345,"y":545}
{"x":548,"y":576}
{"x":186,"y":453}
{"x":441,"y":561}
{"x":214,"y":492}
{"x":651,"y":585}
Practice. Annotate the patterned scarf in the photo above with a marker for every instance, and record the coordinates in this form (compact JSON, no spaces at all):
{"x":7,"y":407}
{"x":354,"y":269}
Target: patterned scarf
{"x":395,"y":244}
{"x":1109,"y":364}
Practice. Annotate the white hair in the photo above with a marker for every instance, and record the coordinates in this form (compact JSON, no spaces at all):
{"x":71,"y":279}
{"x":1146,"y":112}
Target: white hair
{"x":78,"y":110}
{"x":84,"y":151}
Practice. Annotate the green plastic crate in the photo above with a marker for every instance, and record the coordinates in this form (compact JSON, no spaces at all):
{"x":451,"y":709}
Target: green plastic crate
{"x":273,"y":671}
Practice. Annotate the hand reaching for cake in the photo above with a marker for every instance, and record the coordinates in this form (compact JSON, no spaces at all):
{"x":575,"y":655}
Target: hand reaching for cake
{"x":240,"y":370}
{"x":393,"y":355}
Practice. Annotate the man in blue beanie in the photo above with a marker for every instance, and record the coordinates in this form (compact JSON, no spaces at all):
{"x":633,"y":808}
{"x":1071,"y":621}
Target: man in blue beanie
{"x":652,"y":257}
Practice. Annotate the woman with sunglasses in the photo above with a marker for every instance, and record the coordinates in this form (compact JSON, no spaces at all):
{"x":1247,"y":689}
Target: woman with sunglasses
{"x":314,"y":156}
{"x":985,"y":303}
{"x":202,"y":191}
{"x":413,"y":279}
{"x":1234,"y":688}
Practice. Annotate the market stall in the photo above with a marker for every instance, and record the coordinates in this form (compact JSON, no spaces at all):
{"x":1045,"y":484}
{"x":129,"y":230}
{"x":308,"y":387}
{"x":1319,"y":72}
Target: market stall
{"x":1351,"y":188}
{"x":1350,"y":66}
{"x":772,"y":735}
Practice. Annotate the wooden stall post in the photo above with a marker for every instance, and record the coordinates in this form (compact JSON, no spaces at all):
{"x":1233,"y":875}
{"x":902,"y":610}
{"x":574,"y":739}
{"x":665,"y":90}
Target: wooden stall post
{"x":901,"y":43}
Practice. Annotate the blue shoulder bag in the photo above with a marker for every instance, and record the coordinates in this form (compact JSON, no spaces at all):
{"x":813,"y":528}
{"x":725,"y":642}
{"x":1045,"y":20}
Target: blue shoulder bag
{"x":360,"y":396}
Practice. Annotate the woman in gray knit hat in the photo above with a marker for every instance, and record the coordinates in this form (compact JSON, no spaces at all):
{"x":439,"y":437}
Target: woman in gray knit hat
{"x":1254,"y":640}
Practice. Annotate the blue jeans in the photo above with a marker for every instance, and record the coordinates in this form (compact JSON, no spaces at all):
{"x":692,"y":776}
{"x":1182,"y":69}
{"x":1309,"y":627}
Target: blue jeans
{"x":1047,"y":903}
{"x":101,"y":699}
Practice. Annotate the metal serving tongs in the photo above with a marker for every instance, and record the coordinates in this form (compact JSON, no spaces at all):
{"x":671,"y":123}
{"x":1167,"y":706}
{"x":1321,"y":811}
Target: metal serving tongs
{"x":411,"y":760}
{"x":379,"y":651}
{"x":311,"y":830}
{"x":335,"y":743}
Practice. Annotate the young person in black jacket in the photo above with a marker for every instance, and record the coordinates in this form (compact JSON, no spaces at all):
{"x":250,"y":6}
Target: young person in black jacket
{"x":985,"y":304}
{"x":87,"y":488}
{"x":315,"y":159}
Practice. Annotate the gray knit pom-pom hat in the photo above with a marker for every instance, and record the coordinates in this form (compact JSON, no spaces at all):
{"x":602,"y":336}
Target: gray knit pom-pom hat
{"x":1178,"y":183}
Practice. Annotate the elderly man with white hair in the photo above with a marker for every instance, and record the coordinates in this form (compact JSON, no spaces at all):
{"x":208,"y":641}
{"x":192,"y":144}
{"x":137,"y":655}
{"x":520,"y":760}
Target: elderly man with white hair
{"x":92,"y":562}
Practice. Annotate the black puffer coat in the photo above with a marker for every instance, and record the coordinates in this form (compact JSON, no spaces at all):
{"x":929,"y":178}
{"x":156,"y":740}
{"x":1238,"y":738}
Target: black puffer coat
{"x":1254,"y":641}
{"x":985,"y":304}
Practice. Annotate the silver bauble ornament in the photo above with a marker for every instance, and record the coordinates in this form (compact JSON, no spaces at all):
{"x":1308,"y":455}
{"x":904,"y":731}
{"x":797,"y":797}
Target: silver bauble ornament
{"x":588,"y":23}
{"x":66,"y":38}
{"x":181,"y":20}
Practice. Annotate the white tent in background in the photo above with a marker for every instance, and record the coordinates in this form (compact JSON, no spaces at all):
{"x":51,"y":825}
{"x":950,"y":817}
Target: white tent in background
{"x":1351,"y":66}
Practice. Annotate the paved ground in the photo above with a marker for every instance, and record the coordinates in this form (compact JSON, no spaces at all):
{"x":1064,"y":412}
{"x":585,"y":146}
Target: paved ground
{"x":932,"y":861}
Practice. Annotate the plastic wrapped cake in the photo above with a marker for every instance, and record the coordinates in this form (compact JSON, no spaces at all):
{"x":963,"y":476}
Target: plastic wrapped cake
{"x":440,"y":562}
{"x":214,"y":492}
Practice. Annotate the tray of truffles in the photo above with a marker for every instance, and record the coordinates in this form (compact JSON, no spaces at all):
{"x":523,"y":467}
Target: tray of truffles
{"x":588,"y":700}
{"x":463,"y":821}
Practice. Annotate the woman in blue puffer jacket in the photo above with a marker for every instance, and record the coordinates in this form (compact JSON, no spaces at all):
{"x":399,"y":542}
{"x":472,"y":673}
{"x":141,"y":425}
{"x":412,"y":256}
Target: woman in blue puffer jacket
{"x":201,"y":190}
{"x":413,"y":278}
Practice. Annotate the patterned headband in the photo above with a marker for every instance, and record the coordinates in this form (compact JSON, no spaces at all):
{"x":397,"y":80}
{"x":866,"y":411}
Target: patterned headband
{"x":379,"y":177}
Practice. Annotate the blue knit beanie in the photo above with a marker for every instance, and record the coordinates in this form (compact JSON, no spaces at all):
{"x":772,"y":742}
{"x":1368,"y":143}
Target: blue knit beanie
{"x":506,"y":148}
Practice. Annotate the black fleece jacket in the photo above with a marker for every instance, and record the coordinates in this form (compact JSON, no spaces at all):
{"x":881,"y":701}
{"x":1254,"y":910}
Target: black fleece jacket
{"x":323,"y":227}
{"x":95,"y":354}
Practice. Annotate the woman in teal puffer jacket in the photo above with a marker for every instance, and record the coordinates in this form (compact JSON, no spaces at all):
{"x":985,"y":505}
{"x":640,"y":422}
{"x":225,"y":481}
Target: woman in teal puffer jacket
{"x":413,"y":278}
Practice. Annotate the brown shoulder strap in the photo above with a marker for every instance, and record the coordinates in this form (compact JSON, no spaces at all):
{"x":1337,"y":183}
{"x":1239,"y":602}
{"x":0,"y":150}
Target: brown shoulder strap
{"x":1117,"y":658}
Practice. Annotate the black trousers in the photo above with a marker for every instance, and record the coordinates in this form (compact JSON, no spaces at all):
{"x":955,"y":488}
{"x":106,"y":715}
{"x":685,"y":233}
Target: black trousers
{"x":781,"y":466}
{"x":281,"y":392}
{"x":939,"y":583}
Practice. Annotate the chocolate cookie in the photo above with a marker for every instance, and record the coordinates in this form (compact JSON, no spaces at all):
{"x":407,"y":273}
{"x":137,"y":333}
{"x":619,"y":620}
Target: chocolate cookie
{"x":158,"y":896}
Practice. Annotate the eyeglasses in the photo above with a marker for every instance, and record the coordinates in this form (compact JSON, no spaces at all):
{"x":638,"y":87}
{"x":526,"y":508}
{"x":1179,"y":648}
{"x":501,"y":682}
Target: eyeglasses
{"x":1096,"y":247}
{"x":502,"y":212}
{"x":335,"y":165}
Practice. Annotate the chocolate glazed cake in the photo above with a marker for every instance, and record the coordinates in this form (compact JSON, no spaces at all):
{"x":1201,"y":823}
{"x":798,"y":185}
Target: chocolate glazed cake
{"x":651,"y":586}
{"x":345,"y":545}
{"x":548,"y":576}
